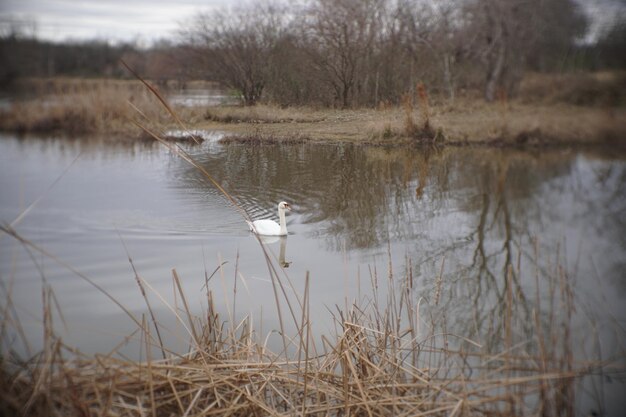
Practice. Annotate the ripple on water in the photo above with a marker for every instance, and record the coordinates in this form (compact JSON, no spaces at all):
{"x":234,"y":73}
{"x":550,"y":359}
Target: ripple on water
{"x":354,"y":207}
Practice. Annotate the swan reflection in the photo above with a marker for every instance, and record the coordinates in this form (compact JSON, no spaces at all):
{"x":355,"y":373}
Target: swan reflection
{"x":268,"y":240}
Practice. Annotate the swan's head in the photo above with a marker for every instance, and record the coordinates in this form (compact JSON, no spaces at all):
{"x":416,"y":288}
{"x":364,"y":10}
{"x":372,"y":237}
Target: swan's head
{"x":284,"y":206}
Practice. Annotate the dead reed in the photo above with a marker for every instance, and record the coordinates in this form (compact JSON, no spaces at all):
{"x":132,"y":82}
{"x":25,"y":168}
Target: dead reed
{"x":418,"y":132}
{"x":87,"y":107}
{"x":390,"y":356}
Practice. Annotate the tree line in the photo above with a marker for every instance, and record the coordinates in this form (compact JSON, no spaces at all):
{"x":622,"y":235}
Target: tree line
{"x":346,"y":53}
{"x":24,"y":57}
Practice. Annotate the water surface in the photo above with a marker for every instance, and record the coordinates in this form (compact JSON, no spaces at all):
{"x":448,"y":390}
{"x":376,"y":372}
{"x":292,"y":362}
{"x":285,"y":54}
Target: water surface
{"x":466,"y":221}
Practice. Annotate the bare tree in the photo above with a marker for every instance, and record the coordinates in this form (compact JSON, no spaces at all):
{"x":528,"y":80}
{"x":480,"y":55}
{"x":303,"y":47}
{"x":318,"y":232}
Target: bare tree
{"x":360,"y":52}
{"x":512,"y":31}
{"x":234,"y":46}
{"x":431,"y":34}
{"x":339,"y":37}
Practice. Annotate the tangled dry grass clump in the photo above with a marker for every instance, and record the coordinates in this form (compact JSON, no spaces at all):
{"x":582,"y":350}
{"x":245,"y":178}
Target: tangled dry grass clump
{"x":424,"y":131}
{"x":390,"y":356}
{"x":421,"y":132}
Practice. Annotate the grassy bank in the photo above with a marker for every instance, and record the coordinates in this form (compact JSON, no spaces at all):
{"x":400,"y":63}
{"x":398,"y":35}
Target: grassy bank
{"x":466,"y":122}
{"x":549,"y":110}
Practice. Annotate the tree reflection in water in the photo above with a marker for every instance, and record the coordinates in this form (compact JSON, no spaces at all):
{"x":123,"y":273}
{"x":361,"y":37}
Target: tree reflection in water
{"x":502,"y":237}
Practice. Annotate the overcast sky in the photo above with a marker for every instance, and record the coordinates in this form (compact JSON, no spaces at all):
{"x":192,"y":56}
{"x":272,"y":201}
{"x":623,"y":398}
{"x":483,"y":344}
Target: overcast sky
{"x":116,"y":20}
{"x":147,"y":20}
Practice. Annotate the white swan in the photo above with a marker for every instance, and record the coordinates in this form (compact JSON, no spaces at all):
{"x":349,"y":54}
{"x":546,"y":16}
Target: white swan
{"x":270,"y":227}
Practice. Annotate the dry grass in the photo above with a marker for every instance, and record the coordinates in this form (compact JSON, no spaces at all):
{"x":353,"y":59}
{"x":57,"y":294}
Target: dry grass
{"x":388,"y":357}
{"x":82,"y":107}
{"x":383,"y":361}
{"x":550,"y":110}
{"x":472,"y":122}
{"x":421,"y":132}
{"x":467,"y":121}
{"x":392,"y":354}
{"x":263,"y":114}
{"x":602,"y":89}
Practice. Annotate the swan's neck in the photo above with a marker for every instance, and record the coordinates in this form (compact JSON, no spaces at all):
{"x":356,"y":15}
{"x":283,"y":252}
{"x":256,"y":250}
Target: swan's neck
{"x":282,"y":221}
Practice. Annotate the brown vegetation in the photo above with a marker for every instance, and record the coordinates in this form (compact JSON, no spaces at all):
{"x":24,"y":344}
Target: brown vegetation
{"x":343,"y":53}
{"x":79,"y":107}
{"x":586,"y":89}
{"x":263,"y":114}
{"x":546,"y":112}
{"x":391,"y":355}
{"x":466,"y":122}
{"x":352,"y":53}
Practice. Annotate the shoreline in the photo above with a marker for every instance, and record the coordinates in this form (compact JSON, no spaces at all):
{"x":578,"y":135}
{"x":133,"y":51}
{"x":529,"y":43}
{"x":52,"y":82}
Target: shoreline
{"x":546,"y":127}
{"x":572,"y":133}
{"x":80,"y":109}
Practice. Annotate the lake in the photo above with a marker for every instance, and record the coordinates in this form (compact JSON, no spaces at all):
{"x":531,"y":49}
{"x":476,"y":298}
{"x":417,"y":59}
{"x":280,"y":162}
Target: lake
{"x":465,"y":224}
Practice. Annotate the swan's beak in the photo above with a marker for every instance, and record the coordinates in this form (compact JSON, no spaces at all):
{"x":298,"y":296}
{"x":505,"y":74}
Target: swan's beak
{"x":287,"y":207}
